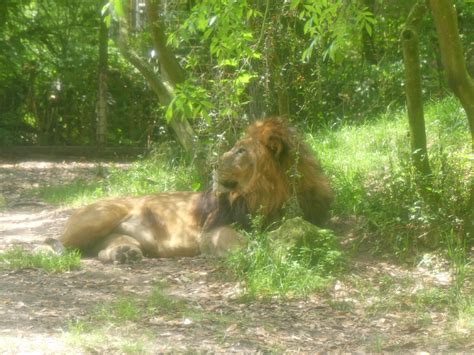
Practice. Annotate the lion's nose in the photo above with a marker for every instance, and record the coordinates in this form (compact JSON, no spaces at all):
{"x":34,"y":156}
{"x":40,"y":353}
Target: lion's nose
{"x":224,"y":159}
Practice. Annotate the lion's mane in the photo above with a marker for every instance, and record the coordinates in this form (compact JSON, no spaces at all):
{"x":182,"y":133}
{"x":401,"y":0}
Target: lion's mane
{"x":285,"y":170}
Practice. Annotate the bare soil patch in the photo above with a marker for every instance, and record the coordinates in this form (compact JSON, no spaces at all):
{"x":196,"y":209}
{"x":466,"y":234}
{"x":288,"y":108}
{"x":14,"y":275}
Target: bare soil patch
{"x":39,"y":311}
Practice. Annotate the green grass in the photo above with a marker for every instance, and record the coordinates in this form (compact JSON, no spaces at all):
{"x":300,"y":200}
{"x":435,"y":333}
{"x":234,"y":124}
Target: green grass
{"x":129,"y":308}
{"x":18,"y":258}
{"x":121,"y":310}
{"x":161,"y":303}
{"x":271,"y":265}
{"x":369,"y":166}
{"x":123,"y":324}
{"x":143,"y":177}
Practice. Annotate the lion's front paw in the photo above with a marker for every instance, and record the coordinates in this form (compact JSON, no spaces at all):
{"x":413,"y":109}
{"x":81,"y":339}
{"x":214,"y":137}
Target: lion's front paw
{"x":121,"y":254}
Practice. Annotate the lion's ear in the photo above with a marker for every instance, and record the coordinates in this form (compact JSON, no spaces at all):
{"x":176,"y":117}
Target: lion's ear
{"x":276,"y":146}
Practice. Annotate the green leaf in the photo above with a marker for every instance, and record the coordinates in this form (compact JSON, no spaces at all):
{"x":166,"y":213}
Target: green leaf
{"x":368,"y":28}
{"x":105,"y":9}
{"x":294,"y":4}
{"x":212,"y":20}
{"x":244,"y":78}
{"x":118,"y":8}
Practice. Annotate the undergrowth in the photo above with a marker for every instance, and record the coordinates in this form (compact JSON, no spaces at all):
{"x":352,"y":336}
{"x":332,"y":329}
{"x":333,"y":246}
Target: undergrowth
{"x":18,"y":258}
{"x":397,"y":211}
{"x":271,"y":265}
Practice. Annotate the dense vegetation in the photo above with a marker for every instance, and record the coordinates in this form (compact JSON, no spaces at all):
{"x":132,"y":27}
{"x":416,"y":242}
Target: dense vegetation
{"x":320,"y":63}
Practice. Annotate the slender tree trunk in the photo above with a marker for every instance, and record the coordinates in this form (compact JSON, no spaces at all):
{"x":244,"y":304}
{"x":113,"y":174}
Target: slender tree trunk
{"x":181,"y":127}
{"x":103,"y":90}
{"x":164,"y":84}
{"x":168,"y":61}
{"x":411,"y":57}
{"x":459,"y":80}
{"x":445,"y":19}
{"x":172,"y":75}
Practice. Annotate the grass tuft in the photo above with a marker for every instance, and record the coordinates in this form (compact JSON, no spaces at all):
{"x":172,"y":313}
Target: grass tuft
{"x":160,"y":302}
{"x":121,"y":310}
{"x":18,"y":258}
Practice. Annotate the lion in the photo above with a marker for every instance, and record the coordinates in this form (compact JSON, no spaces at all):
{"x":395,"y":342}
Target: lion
{"x":259,"y":175}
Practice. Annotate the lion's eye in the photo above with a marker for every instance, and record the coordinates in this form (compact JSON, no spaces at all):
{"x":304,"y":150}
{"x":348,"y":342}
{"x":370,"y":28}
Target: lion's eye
{"x":241,"y":150}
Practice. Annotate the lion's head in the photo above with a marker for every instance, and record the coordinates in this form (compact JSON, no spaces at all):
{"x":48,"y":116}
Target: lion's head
{"x":270,"y":165}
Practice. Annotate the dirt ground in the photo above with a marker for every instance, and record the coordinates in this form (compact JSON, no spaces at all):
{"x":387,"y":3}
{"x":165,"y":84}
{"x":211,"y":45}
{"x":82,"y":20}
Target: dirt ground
{"x":38,"y":310}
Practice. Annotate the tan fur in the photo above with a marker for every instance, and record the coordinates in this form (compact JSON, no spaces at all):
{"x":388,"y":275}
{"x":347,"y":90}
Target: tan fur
{"x":162,"y":224}
{"x":255,"y":176}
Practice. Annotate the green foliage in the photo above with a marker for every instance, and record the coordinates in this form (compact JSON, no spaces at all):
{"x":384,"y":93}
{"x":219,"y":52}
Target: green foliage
{"x":18,"y":258}
{"x":228,"y":45}
{"x":270,"y":266}
{"x":329,"y":25}
{"x":223,"y":26}
{"x":48,"y":70}
{"x":380,"y":187}
{"x":189,"y":101}
{"x":320,"y":62}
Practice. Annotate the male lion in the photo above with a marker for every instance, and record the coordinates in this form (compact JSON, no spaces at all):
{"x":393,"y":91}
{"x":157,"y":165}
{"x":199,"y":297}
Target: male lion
{"x":259,"y":175}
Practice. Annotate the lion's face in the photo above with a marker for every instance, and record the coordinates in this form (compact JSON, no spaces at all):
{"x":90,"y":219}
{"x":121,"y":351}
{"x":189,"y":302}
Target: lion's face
{"x":260,"y":168}
{"x":237,"y":167}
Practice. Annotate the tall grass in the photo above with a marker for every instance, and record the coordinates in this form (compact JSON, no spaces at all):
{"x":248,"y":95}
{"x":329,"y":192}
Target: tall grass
{"x":370,"y":168}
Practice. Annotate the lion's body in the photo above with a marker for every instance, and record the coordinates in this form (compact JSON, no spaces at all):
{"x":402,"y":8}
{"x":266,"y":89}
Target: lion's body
{"x":164,"y":225}
{"x":260,"y":174}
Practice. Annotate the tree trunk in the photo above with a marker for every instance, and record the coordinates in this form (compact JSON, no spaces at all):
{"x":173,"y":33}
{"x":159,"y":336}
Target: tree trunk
{"x":173,"y":74}
{"x":103,"y":92}
{"x":164,"y":89}
{"x":459,"y":80}
{"x":168,"y":61}
{"x":181,"y":127}
{"x":445,"y":19}
{"x":183,"y":130}
{"x":411,"y":57}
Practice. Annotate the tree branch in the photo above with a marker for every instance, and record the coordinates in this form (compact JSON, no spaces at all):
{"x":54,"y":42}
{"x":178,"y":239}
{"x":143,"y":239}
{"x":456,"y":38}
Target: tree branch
{"x":166,"y":57}
{"x":452,"y":56}
{"x":151,"y":77}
